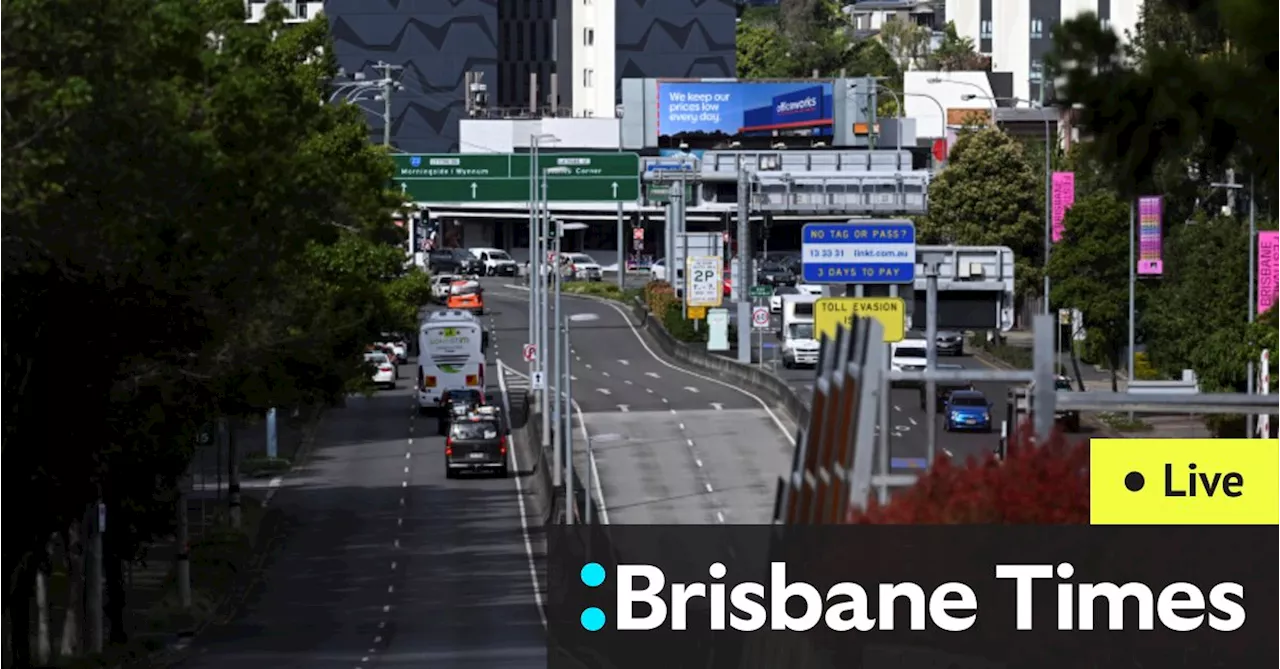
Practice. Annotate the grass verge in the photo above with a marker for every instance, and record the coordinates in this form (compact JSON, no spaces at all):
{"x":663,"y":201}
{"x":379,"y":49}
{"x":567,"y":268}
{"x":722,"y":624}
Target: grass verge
{"x":1018,"y":357}
{"x":1121,"y":423}
{"x":603,"y":289}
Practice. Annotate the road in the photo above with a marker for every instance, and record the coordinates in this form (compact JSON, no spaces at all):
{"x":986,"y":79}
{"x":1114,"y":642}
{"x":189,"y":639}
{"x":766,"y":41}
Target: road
{"x":385,"y":561}
{"x":671,"y":446}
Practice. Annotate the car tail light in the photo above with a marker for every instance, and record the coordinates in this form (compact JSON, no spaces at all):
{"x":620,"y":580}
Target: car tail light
{"x":573,"y":268}
{"x":473,"y":380}
{"x":502,"y":445}
{"x":385,"y":368}
{"x":429,"y":382}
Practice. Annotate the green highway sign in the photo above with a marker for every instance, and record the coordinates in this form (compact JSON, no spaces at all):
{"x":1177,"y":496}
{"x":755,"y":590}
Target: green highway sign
{"x":660,"y":193}
{"x":504,"y":177}
{"x":759,"y":292}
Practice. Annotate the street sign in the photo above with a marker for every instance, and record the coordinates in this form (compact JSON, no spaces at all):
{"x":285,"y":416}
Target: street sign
{"x":660,"y":193}
{"x":537,"y":381}
{"x":695,"y":313}
{"x":761,"y":292}
{"x":860,"y":251}
{"x":706,"y":281}
{"x":832,"y":312}
{"x":530,"y":352}
{"x":760,"y":317}
{"x":504,"y":177}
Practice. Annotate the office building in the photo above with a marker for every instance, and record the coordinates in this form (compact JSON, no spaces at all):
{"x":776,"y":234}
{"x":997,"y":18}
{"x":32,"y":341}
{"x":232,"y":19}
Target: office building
{"x":1016,"y":34}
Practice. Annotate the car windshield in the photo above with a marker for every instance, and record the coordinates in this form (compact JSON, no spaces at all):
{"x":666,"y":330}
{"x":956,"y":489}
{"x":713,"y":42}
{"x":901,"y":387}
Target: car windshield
{"x":460,"y":396}
{"x":968,"y":401}
{"x":582,"y":259}
{"x":376,"y":358}
{"x":801,"y":331}
{"x":1062,"y":384}
{"x":498,"y":255}
{"x":466,"y":289}
{"x":480,"y":429}
{"x":909,"y":352}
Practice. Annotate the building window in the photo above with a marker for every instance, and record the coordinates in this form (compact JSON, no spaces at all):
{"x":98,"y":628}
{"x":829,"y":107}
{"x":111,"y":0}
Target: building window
{"x":984,"y":30}
{"x":1037,"y":70}
{"x":588,"y":36}
{"x":1106,"y":23}
{"x":588,"y":78}
{"x":1037,"y":29}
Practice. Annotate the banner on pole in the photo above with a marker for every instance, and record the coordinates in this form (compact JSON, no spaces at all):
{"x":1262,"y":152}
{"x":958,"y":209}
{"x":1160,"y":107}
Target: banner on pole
{"x":1064,"y":195}
{"x":1268,"y":269}
{"x":1150,"y":251}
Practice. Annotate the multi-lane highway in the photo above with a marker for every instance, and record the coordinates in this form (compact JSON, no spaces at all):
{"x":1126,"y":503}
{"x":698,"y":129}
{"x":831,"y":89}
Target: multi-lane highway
{"x":671,"y":446}
{"x":385,"y":562}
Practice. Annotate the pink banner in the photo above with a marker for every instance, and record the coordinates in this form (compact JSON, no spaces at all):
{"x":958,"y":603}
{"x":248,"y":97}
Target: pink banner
{"x":1150,"y":252}
{"x":1268,"y":278}
{"x":1064,"y":195}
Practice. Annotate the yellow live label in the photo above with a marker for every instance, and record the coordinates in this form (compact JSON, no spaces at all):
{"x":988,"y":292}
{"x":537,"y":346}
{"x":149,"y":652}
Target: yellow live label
{"x":1184,"y":482}
{"x":830,"y":313}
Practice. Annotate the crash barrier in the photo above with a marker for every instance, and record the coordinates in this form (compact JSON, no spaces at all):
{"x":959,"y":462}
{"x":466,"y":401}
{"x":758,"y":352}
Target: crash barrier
{"x":550,"y":502}
{"x":760,"y":382}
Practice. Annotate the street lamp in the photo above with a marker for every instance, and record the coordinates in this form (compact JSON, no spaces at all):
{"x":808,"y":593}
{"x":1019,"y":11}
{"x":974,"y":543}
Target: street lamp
{"x":969,"y":96}
{"x":536,"y":250}
{"x":384,"y":87}
{"x":560,"y":363}
{"x":1253,"y":300}
{"x":565,"y":396}
{"x":942,"y":112}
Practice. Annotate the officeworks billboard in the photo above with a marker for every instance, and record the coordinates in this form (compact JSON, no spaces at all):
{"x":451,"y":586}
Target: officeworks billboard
{"x":725,"y":110}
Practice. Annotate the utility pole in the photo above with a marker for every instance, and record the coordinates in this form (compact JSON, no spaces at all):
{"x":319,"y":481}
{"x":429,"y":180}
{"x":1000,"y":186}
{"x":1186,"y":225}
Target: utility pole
{"x":233,"y":472}
{"x":183,"y":558}
{"x":93,"y":600}
{"x":388,"y":86}
{"x":740,"y":290}
{"x":1253,"y":297}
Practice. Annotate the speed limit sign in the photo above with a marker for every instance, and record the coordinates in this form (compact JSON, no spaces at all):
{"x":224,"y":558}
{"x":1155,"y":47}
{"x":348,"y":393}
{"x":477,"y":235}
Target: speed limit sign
{"x":760,"y":317}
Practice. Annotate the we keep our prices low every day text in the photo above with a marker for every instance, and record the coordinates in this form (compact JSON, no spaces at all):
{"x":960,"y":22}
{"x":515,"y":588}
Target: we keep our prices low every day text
{"x":645,"y":602}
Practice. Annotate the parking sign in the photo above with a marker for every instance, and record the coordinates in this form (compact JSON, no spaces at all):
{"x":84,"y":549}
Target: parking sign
{"x":706,"y":281}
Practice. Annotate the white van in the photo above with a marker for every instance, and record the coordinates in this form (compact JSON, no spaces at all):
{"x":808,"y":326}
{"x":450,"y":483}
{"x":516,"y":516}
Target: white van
{"x":496,"y":262}
{"x":799,"y":344}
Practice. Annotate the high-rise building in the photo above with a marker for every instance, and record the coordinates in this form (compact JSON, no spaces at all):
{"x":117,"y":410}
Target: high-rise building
{"x":1017,"y":34}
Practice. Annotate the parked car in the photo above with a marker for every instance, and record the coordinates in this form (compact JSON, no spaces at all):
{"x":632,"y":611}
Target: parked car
{"x":453,"y":261}
{"x":397,"y":345}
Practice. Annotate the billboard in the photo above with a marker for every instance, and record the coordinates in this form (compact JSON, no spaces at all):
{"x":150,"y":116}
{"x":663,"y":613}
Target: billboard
{"x":728,"y":110}
{"x":1150,"y":251}
{"x":1064,"y":195}
{"x":1268,"y":274}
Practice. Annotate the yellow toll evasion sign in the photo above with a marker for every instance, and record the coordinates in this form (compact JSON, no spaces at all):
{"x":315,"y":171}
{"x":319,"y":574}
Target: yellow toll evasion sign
{"x":1184,"y":482}
{"x":830,"y":313}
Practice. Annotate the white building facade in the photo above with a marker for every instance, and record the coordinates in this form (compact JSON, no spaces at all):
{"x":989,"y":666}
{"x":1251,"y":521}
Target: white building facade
{"x":1017,"y":34}
{"x":591,"y":31}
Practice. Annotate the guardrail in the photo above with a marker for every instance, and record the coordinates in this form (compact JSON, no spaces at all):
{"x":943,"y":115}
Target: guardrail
{"x":761,"y":382}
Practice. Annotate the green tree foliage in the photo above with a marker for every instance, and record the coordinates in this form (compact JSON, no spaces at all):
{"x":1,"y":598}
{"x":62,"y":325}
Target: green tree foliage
{"x":1198,"y":312}
{"x":762,"y":54}
{"x":987,"y":196}
{"x":956,"y":54}
{"x":189,"y":232}
{"x":906,"y":41}
{"x":1089,"y":269}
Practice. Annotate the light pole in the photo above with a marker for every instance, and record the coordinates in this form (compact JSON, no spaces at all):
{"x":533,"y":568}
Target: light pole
{"x":551,"y":227}
{"x":1048,"y":189}
{"x":535,"y":250}
{"x":1253,"y":299}
{"x":384,"y":87}
{"x":985,"y":95}
{"x":566,"y":425}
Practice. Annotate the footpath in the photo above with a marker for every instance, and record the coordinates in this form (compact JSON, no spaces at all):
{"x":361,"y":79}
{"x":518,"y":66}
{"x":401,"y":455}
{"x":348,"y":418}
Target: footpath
{"x":1096,"y":378}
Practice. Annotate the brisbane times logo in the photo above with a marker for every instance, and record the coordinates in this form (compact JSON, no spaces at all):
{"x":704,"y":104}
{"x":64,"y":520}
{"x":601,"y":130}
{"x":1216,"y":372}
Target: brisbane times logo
{"x":646,"y":601}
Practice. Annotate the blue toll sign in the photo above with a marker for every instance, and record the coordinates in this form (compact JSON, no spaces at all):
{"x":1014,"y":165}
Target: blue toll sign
{"x":869,"y":252}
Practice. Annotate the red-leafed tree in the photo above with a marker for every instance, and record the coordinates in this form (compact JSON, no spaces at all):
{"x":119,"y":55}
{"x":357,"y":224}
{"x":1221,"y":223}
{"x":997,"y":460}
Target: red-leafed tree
{"x":1048,"y":485}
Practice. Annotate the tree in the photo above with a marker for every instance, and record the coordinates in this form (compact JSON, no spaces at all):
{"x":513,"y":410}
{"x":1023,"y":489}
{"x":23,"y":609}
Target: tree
{"x":987,"y":196}
{"x":1197,"y":317}
{"x":1048,"y":485}
{"x":1089,"y":272}
{"x":762,"y":52}
{"x":906,"y":41}
{"x":189,"y":233}
{"x":956,"y":53}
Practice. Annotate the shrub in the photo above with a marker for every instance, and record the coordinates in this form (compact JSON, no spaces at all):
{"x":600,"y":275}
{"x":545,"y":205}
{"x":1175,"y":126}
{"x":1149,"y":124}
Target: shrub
{"x":1048,"y":485}
{"x":1142,"y":368}
{"x":680,"y":327}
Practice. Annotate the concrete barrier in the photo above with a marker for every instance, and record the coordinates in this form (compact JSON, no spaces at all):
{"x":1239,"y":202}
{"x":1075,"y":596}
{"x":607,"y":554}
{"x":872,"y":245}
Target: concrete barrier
{"x":768,"y":386}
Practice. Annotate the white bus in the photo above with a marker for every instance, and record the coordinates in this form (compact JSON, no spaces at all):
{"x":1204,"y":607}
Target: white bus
{"x":451,"y":350}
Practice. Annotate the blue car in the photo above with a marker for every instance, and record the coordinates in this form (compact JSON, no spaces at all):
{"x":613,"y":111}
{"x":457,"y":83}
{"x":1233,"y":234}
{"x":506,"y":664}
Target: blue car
{"x":967,"y":410}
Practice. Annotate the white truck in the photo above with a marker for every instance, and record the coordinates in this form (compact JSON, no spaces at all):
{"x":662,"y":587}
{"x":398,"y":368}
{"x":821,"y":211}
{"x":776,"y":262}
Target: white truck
{"x":799,"y":343}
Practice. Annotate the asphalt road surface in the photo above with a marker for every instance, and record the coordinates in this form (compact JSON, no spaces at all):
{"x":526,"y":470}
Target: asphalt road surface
{"x":385,"y":562}
{"x":670,"y":446}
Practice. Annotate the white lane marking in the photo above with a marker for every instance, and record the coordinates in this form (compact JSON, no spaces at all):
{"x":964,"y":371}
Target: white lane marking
{"x":591,"y":457}
{"x":649,"y":390}
{"x":628,"y":382}
{"x":377,"y":639}
{"x":949,"y":455}
{"x":393,"y":565}
{"x":720,"y":516}
{"x":897,"y":408}
{"x":691,"y":389}
{"x":386,"y":608}
{"x":573,"y":378}
{"x":605,"y":373}
{"x":588,"y":365}
{"x":624,"y":363}
{"x":652,"y":375}
{"x":391,"y":588}
{"x":406,"y":470}
{"x":697,"y":462}
{"x":913,"y":421}
{"x":404,"y":484}
{"x":603,"y":391}
{"x":682,"y":426}
{"x":578,"y":358}
{"x":689,"y":442}
{"x":524,"y":515}
{"x":407,"y":455}
{"x":624,"y":408}
{"x":782,"y":427}
{"x":673,"y":412}
{"x":717,"y":406}
{"x":708,"y":487}
{"x":399,"y":522}
{"x":666,"y":401}
{"x":401,"y":501}
{"x":272,"y":487}
{"x":396,"y":543}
